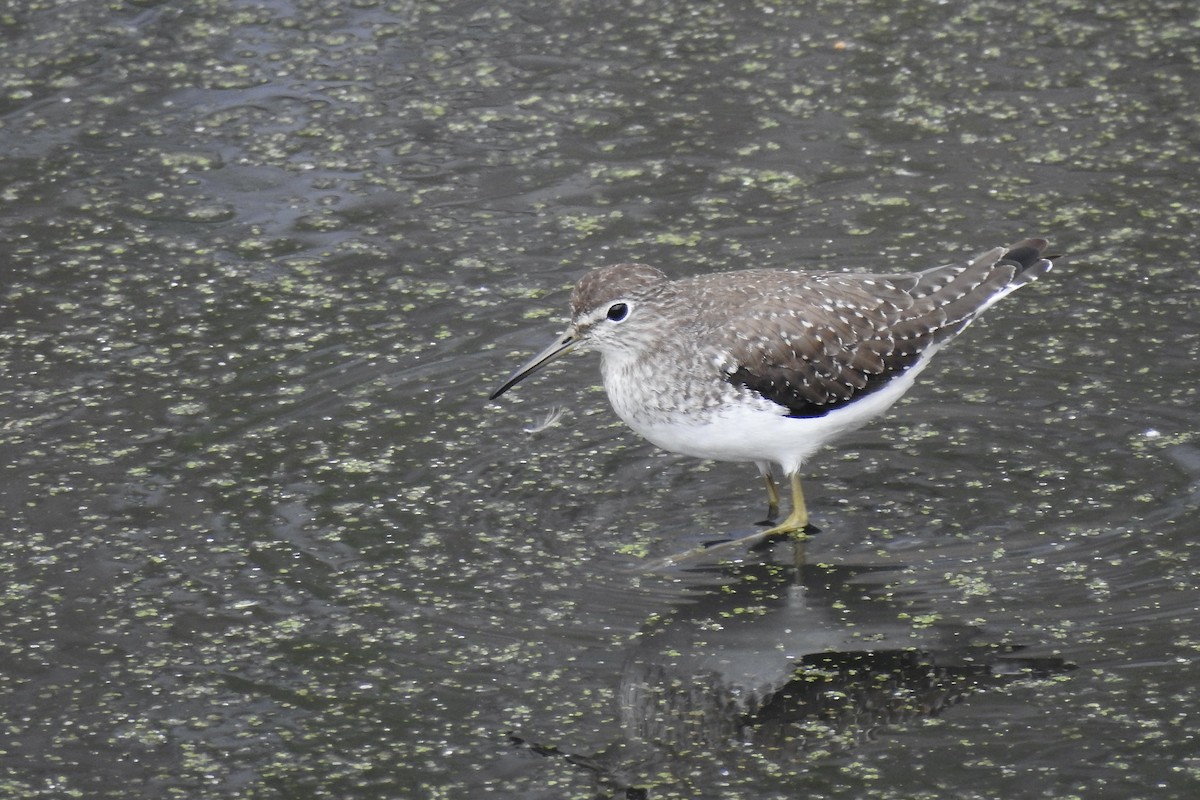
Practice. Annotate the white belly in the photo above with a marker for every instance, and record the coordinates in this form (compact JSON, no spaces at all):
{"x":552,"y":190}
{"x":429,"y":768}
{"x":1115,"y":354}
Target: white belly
{"x":757,"y":432}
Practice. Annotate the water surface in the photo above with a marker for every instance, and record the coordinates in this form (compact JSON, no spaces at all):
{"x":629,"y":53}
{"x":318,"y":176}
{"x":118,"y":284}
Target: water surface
{"x":262,"y":263}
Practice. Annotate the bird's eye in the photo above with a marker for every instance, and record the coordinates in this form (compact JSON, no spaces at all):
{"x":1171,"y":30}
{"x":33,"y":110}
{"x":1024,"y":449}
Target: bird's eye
{"x":618,"y":312}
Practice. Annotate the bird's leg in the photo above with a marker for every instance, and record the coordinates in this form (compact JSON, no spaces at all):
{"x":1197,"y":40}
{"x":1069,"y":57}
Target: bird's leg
{"x":794,"y":526}
{"x":797,"y":520}
{"x":772,"y":500}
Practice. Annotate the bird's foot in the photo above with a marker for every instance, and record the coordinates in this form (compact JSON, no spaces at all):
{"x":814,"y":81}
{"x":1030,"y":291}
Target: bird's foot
{"x":771,"y":538}
{"x":754,"y":542}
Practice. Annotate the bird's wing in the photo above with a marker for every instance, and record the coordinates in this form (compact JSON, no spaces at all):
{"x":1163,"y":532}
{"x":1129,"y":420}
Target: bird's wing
{"x":821,"y":341}
{"x":846,"y":339}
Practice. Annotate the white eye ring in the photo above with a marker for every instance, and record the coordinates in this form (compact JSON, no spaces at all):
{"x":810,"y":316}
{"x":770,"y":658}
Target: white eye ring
{"x":618,"y":312}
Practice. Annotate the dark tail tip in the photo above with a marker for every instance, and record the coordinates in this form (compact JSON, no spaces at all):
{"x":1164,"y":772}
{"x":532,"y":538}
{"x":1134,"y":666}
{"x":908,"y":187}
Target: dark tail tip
{"x":1027,"y":255}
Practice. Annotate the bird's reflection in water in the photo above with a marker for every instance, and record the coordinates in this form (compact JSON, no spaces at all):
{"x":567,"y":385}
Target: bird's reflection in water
{"x":789,"y":661}
{"x":821,"y":658}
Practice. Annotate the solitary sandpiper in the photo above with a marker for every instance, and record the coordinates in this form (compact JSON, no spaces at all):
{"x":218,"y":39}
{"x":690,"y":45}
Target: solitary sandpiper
{"x":767,"y":365}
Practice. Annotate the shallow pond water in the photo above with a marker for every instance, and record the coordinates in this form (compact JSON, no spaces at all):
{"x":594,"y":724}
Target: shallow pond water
{"x":262,"y":263}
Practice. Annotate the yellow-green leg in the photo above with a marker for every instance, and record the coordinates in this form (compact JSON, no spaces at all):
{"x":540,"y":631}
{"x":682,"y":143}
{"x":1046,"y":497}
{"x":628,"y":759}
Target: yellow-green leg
{"x":772,"y":498}
{"x":797,"y":520}
{"x":794,"y":526}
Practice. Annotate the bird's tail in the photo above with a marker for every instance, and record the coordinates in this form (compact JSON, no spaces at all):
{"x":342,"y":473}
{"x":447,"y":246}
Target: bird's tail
{"x":1027,"y":256}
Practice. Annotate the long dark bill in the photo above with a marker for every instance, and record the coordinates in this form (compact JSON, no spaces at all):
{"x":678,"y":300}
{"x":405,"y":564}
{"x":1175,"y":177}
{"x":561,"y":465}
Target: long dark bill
{"x":531,"y":366}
